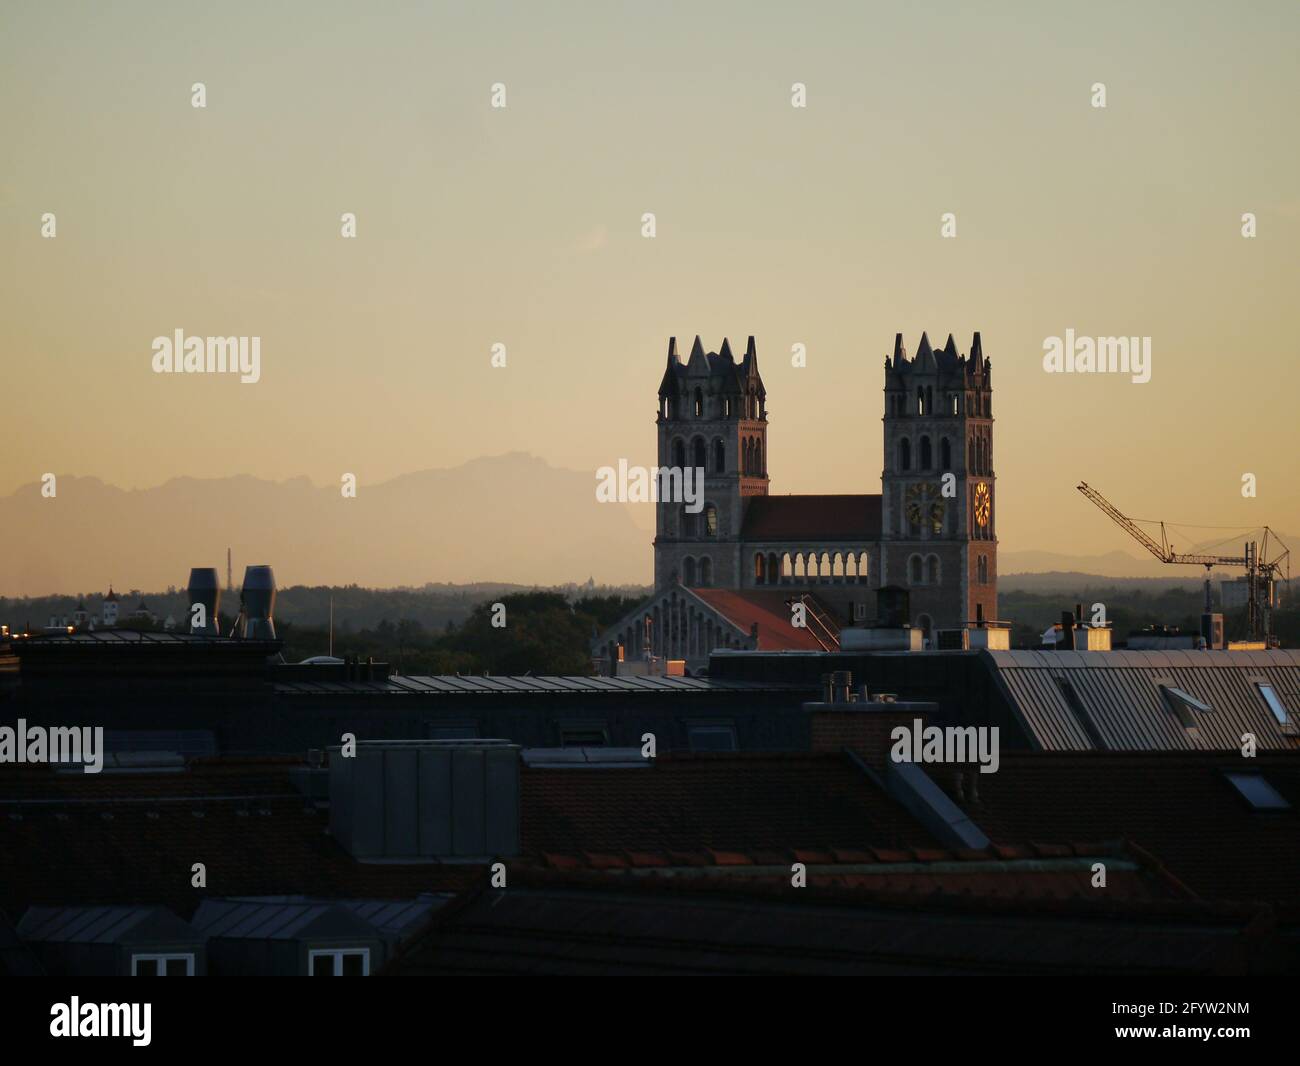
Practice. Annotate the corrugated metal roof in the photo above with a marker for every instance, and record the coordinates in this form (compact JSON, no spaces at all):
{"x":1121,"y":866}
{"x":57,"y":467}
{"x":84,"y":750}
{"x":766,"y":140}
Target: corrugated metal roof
{"x":261,"y":921}
{"x":284,"y":917}
{"x":466,"y":684}
{"x":81,"y":925}
{"x":1119,"y":696}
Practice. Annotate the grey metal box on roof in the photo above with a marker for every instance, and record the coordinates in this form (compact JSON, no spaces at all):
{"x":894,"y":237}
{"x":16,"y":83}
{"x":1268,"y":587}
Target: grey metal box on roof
{"x":426,"y":800}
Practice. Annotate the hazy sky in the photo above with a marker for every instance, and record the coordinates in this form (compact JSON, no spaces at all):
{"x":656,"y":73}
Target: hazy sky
{"x":818,"y":226}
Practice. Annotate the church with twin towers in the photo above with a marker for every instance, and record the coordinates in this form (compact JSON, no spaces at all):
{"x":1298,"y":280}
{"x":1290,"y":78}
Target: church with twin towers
{"x":922,"y":552}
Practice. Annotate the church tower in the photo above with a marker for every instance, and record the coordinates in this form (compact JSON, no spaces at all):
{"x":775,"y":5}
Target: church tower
{"x":712,"y":418}
{"x":938,"y":512}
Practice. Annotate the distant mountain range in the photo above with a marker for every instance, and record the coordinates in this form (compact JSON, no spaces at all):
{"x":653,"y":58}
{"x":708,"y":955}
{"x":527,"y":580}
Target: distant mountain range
{"x":511,"y":519}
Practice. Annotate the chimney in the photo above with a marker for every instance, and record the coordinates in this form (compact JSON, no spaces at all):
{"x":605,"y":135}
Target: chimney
{"x":258,"y":603}
{"x":205,"y":589}
{"x":864,"y":726}
{"x":426,"y":800}
{"x":837,"y":686}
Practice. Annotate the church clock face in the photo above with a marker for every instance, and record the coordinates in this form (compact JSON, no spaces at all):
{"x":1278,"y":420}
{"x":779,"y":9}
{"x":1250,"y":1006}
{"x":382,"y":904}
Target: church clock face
{"x":983,"y":505}
{"x":925,"y":504}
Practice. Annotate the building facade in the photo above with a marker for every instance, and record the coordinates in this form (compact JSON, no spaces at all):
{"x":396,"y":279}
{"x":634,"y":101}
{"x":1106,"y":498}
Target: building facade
{"x":929,"y":536}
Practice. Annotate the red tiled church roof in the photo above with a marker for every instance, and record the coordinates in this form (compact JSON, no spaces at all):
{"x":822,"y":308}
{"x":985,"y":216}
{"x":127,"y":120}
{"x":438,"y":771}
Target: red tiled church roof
{"x":769,"y":610}
{"x":812,"y":518}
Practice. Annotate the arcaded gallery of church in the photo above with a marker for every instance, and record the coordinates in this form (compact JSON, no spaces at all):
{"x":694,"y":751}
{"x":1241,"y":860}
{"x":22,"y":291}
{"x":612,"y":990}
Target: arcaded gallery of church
{"x":730,"y":575}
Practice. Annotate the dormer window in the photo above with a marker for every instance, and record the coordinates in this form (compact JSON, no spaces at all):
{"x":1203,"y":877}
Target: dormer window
{"x":340,"y":962}
{"x":175,"y":965}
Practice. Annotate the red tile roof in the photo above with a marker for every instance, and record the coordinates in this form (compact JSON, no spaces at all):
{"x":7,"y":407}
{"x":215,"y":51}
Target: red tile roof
{"x":771,"y":612}
{"x":812,"y":519}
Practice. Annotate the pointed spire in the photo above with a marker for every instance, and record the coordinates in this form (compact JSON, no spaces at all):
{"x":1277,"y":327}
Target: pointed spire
{"x":672,"y":351}
{"x":725,"y":351}
{"x":699,"y":362}
{"x":900,"y":353}
{"x":751,"y":353}
{"x":976,"y":349}
{"x":951,"y":347}
{"x":924,"y":354}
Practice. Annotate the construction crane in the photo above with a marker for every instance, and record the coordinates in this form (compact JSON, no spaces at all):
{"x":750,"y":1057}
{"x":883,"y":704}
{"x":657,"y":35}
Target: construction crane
{"x":1261,"y":572}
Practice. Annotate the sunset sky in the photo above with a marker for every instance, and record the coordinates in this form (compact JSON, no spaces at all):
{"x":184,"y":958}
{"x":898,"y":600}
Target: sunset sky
{"x":522,"y":226}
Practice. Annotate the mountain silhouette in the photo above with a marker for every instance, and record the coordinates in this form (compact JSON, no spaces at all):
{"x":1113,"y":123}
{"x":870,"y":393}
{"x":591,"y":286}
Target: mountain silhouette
{"x":509,"y":518}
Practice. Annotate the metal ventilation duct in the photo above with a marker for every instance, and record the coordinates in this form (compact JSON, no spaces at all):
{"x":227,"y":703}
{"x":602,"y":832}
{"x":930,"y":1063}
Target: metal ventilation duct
{"x":203,"y":588}
{"x":258,"y":599}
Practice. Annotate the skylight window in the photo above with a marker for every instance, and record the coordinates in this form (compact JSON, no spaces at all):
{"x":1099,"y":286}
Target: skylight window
{"x":1184,"y":705}
{"x":1276,"y":705}
{"x":1256,"y":791}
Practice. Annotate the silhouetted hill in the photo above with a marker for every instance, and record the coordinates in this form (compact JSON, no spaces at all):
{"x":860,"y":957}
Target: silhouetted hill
{"x":511,"y":519}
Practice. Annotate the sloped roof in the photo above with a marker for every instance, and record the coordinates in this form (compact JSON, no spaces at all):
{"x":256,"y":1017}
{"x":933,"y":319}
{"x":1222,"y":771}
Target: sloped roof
{"x":103,"y":925}
{"x":731,"y":802}
{"x":1177,"y":806}
{"x":1121,"y":704}
{"x":550,"y":925}
{"x":75,"y":839}
{"x":812,"y":519}
{"x":770,"y":611}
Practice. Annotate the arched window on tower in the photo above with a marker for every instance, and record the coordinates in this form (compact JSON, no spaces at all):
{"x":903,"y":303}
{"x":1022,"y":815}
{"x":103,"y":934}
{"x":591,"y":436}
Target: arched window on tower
{"x":706,"y":572}
{"x":699,"y":452}
{"x":920,"y":400}
{"x":679,"y":453}
{"x":904,"y":454}
{"x":952,"y":403}
{"x":945,"y":454}
{"x":710,"y":521}
{"x":719,"y":456}
{"x":699,"y":404}
{"x":726,"y":407}
{"x":686,"y":522}
{"x":927,"y":457}
{"x":929,"y":399}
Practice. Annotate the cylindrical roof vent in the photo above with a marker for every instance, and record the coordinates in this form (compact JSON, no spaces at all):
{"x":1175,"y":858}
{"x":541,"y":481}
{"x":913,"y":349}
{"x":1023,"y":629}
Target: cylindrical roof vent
{"x":258,"y":599}
{"x":204,"y":590}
